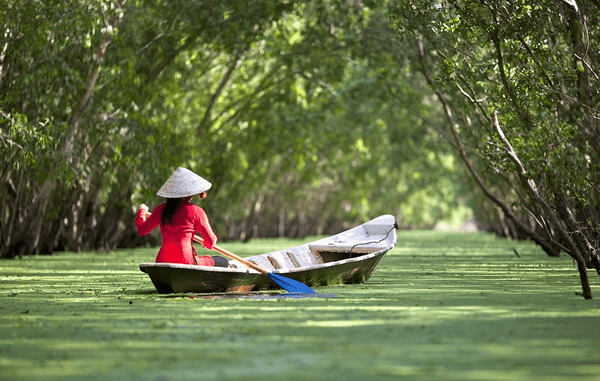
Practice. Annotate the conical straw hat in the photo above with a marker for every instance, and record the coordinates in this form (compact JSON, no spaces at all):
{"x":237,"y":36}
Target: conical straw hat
{"x":183,"y":183}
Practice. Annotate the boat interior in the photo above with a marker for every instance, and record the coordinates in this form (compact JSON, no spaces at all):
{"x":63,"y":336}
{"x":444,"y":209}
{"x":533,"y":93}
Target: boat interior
{"x":362,"y":240}
{"x":297,"y":258}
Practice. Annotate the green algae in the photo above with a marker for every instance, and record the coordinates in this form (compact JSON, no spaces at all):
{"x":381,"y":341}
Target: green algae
{"x":440,"y":306}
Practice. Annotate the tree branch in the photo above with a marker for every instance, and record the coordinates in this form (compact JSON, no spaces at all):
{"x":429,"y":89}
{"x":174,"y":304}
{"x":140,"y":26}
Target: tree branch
{"x":530,"y":184}
{"x":213,"y":99}
{"x":470,"y":167}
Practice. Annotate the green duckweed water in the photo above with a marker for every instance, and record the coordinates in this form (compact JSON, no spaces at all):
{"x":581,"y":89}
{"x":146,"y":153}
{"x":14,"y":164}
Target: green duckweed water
{"x":441,"y":306}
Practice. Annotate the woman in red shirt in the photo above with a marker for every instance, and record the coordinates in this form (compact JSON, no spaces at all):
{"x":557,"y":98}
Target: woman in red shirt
{"x":179,"y":220}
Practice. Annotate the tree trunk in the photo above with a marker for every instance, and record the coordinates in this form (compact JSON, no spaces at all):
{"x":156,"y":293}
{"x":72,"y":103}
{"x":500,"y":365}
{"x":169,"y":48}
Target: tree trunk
{"x":585,"y":282}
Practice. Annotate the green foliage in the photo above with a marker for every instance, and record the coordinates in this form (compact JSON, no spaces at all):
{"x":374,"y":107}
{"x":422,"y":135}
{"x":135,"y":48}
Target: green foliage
{"x":520,"y":82}
{"x":304,"y":115}
{"x":279,"y":132}
{"x":26,"y":146}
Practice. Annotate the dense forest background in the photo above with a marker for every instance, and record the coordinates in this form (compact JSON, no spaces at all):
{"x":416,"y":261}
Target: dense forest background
{"x":307,"y":116}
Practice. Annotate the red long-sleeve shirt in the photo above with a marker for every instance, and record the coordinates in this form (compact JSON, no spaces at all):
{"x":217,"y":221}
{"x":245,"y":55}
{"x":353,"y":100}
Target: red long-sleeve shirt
{"x":177,"y":234}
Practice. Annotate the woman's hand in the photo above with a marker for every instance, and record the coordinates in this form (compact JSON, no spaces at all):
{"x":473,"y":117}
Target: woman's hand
{"x":144,"y":209}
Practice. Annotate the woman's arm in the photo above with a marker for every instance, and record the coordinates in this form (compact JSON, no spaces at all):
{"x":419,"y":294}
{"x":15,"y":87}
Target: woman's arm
{"x":146,"y":222}
{"x":204,"y":228}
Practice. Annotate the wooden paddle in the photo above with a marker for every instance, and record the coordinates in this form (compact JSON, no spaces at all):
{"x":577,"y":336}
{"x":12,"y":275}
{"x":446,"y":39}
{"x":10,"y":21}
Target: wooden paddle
{"x":290,"y":285}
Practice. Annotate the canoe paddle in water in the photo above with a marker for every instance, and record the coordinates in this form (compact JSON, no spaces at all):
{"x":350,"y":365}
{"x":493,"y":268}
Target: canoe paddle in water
{"x":290,"y":285}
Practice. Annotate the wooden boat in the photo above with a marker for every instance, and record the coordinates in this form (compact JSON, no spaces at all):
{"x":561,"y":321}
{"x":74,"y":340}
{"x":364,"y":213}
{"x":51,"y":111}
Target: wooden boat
{"x":345,"y":258}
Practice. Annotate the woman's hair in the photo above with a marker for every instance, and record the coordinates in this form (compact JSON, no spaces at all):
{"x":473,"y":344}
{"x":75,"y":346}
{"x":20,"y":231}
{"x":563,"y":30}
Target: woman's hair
{"x":169,"y":210}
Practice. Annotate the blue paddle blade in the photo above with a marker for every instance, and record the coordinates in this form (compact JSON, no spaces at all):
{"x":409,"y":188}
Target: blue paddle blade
{"x":290,"y":285}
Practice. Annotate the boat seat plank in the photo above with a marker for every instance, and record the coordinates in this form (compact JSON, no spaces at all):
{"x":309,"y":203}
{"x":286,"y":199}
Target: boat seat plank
{"x":347,"y":247}
{"x":305,"y":258}
{"x":274,"y":262}
{"x":294,"y":260}
{"x":283,"y":259}
{"x":287,"y":259}
{"x":262,"y":262}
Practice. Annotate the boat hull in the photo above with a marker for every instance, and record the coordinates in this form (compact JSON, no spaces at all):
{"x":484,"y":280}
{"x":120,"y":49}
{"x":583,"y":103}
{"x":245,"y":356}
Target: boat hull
{"x":338,"y":259}
{"x":170,"y":278}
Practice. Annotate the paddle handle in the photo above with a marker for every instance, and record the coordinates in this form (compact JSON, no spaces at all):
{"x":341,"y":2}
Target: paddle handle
{"x":232,"y":256}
